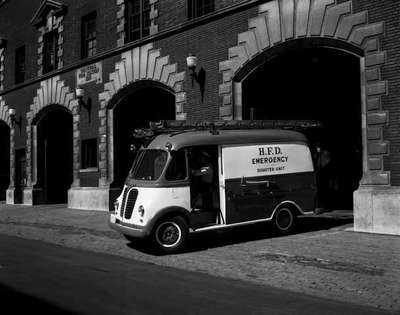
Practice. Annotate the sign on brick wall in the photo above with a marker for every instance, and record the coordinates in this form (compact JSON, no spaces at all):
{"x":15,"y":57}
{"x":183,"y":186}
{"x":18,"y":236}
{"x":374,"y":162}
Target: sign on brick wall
{"x":90,"y":73}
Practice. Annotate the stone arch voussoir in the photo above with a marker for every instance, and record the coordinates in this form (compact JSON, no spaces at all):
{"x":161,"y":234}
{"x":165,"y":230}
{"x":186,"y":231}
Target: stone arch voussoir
{"x":4,"y":112}
{"x":281,"y":21}
{"x":4,"y":116}
{"x":52,"y":91}
{"x":140,"y":63}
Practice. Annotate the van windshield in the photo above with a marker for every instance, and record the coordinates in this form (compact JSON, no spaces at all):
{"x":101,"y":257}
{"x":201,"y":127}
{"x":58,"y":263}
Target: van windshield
{"x":149,"y":165}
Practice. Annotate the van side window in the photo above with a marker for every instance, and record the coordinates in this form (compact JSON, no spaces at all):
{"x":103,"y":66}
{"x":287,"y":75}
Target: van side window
{"x":177,"y":167}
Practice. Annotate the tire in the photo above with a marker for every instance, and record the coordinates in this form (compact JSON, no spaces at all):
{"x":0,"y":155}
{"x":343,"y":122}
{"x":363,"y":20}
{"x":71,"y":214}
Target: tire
{"x":170,"y":235}
{"x":284,"y":220}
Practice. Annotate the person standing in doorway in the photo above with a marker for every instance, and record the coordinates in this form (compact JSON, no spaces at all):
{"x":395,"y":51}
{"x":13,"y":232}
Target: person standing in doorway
{"x":204,"y":176}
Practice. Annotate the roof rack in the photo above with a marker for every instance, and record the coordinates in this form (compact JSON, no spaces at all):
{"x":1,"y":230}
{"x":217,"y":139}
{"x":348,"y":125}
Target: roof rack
{"x":179,"y":126}
{"x":235,"y":124}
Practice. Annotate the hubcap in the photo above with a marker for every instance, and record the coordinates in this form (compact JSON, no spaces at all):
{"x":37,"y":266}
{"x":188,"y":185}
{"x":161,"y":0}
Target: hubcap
{"x":168,"y":234}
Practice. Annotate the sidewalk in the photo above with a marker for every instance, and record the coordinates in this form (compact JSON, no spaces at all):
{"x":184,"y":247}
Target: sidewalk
{"x":325,"y":258}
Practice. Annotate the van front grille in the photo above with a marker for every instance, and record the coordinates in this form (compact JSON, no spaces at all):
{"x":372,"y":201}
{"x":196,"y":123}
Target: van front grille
{"x":123,"y":202}
{"x":130,"y":203}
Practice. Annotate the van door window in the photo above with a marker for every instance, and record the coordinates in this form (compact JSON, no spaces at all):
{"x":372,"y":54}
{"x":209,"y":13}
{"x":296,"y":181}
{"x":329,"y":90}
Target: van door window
{"x":177,"y":167}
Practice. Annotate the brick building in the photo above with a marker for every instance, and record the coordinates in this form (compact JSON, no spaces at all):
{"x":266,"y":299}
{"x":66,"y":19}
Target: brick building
{"x":330,"y":60}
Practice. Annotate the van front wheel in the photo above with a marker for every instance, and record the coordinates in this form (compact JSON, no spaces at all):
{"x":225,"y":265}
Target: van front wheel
{"x":170,"y":234}
{"x":284,"y":220}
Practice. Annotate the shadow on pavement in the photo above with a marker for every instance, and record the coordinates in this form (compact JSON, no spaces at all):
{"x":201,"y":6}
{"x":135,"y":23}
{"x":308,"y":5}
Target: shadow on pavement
{"x":143,"y":246}
{"x":252,"y":232}
{"x":230,"y":236}
{"x":14,"y":302}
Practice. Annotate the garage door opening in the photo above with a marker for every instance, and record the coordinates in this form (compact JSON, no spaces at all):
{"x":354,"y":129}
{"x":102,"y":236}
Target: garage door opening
{"x":320,"y":84}
{"x":4,"y":159}
{"x":136,"y":110}
{"x":54,"y":154}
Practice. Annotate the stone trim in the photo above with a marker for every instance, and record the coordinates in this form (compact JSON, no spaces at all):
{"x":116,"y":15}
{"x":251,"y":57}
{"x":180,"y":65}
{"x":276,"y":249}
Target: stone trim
{"x":121,"y":4}
{"x":281,"y":21}
{"x":140,"y":63}
{"x":2,"y":53}
{"x":376,"y":210}
{"x":56,"y":25}
{"x":57,"y":9}
{"x":4,"y":112}
{"x":52,"y":91}
{"x":4,"y":116}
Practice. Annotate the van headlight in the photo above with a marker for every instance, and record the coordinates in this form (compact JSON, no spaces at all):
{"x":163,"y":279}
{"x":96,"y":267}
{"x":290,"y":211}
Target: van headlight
{"x":116,"y":206}
{"x":141,"y":210}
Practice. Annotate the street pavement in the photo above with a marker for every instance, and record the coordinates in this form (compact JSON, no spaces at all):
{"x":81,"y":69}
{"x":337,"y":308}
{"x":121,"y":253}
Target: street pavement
{"x":52,"y":279}
{"x":324,"y":259}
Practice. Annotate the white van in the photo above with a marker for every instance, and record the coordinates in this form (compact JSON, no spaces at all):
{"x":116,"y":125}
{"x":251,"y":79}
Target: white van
{"x":252,"y":176}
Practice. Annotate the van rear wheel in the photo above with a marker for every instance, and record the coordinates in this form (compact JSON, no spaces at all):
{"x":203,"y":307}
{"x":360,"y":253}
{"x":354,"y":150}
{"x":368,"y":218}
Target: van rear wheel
{"x":170,"y":234}
{"x":284,"y":220}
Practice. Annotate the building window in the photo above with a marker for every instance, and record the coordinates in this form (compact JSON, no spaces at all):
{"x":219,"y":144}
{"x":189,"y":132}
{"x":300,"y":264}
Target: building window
{"x":20,"y":65}
{"x":197,"y":8}
{"x":89,"y":35}
{"x":50,"y":49}
{"x":89,"y":153}
{"x":137,"y":19}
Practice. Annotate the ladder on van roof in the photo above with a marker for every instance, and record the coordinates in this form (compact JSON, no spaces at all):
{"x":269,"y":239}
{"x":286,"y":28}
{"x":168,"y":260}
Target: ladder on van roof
{"x":235,"y":124}
{"x":178,"y":126}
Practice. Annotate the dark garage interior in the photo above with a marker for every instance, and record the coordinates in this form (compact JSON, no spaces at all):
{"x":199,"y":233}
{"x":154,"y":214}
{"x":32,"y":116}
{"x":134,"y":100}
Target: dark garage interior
{"x":320,"y":84}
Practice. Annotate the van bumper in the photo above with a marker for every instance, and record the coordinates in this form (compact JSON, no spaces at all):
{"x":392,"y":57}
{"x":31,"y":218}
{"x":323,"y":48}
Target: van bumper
{"x":129,"y":229}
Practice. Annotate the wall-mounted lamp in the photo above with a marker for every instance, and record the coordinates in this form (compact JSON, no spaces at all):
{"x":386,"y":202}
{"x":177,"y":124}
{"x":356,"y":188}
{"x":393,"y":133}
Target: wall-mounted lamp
{"x":15,"y":121}
{"x":191,"y":62}
{"x":199,"y":77}
{"x":80,"y":93}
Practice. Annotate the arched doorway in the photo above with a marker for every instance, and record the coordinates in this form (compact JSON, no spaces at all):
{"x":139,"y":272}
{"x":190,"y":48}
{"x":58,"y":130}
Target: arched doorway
{"x":325,"y":28}
{"x":316,"y":84}
{"x":4,"y":159}
{"x":142,"y":103}
{"x":141,"y":67}
{"x":54,"y":153}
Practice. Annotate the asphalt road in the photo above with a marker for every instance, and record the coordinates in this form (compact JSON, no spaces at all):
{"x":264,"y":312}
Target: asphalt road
{"x":43,"y":278}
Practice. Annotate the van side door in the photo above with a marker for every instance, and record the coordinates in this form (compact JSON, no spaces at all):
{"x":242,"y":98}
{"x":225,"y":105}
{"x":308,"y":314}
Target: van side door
{"x":248,"y":196}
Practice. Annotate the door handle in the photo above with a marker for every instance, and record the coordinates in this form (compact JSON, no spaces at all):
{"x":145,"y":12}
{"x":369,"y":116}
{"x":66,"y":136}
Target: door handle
{"x":244,"y":182}
{"x":257,"y":182}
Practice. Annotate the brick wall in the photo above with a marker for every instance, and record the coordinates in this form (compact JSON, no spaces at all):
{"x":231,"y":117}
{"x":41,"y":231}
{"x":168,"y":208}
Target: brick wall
{"x":171,"y":13}
{"x":174,"y":12}
{"x":106,"y":26}
{"x":389,"y":11}
{"x":225,"y":3}
{"x":210,"y":43}
{"x":19,"y":31}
